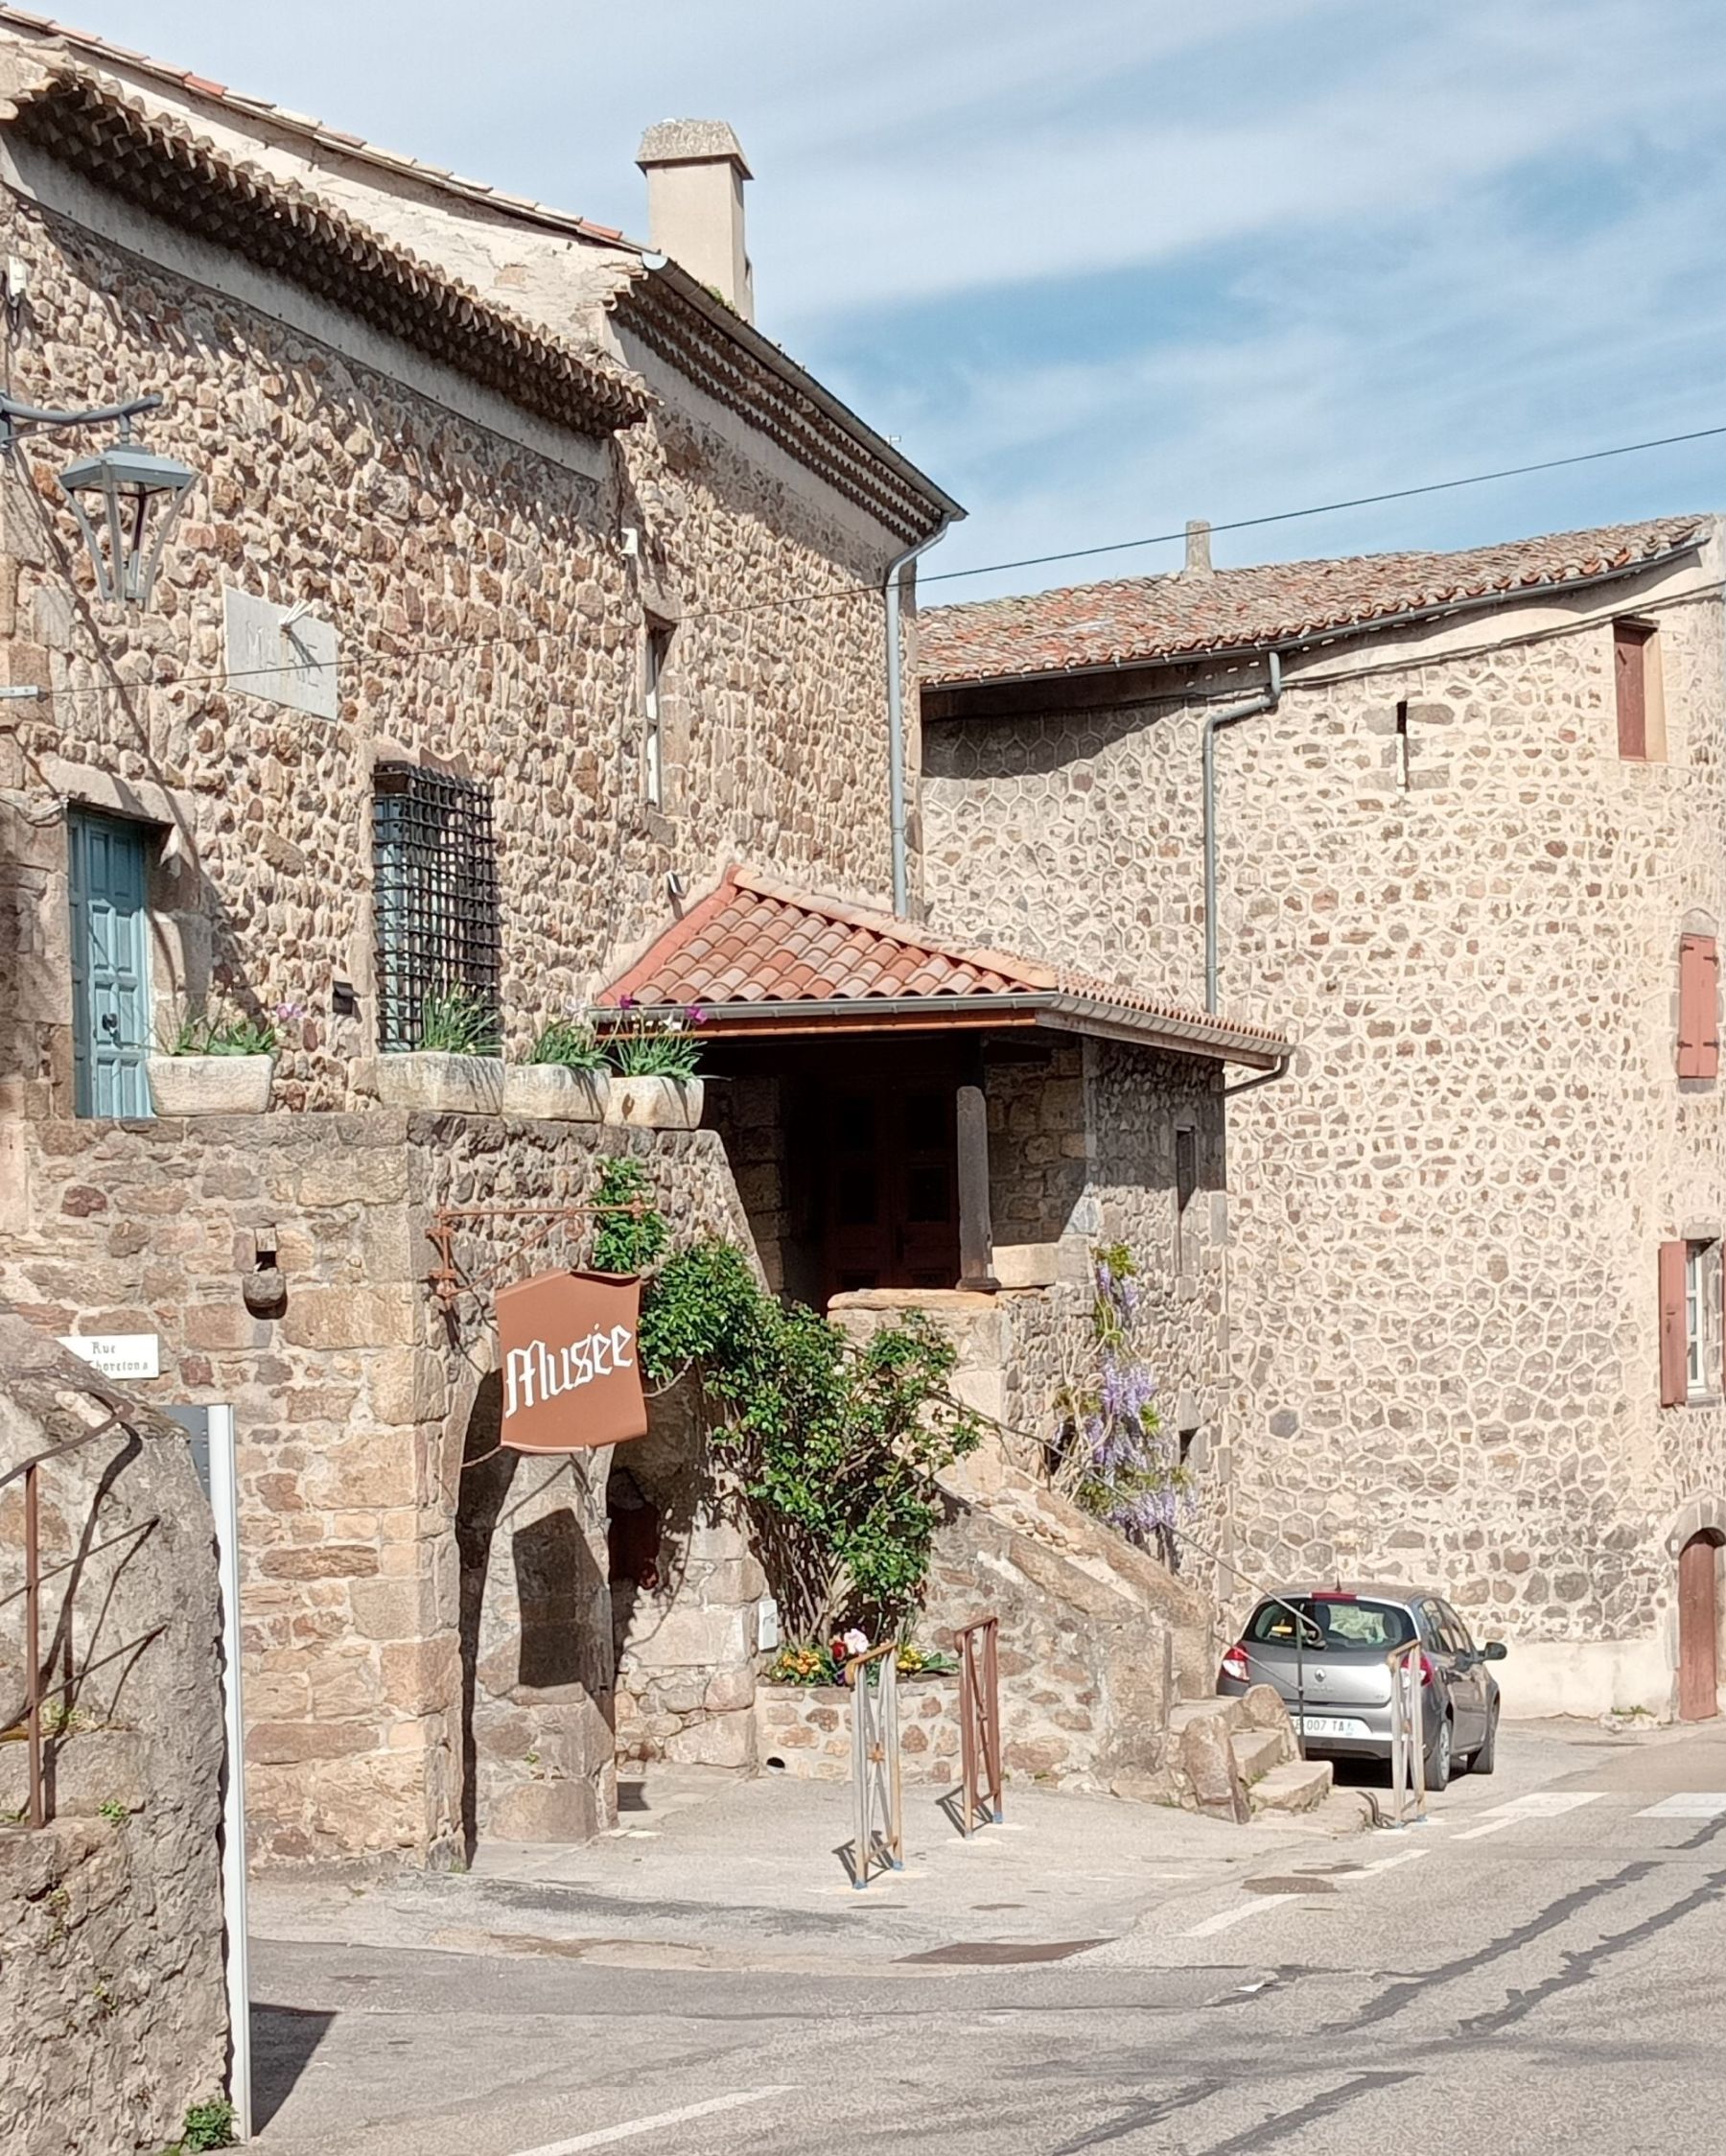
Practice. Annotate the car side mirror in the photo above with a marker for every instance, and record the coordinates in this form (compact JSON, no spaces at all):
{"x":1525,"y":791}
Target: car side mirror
{"x":1494,"y":1651}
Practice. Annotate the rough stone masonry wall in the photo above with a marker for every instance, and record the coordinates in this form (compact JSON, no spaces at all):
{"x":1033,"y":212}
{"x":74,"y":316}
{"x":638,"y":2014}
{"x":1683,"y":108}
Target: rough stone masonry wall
{"x":112,"y":1985}
{"x":1444,"y":1352}
{"x":486,"y":616}
{"x":353,"y":1409}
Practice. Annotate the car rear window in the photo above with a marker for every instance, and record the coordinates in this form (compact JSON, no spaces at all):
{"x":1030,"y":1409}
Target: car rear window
{"x":1329,"y":1623}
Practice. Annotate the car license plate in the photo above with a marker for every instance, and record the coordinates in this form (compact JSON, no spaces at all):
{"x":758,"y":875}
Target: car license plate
{"x":1331,"y":1725}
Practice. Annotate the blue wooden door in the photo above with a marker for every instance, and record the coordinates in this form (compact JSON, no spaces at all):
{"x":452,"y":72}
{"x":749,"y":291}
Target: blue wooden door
{"x":110,"y":966}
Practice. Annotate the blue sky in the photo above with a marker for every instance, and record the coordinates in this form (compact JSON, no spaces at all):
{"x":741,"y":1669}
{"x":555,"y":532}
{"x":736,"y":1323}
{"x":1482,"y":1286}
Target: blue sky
{"x":1106,"y":265}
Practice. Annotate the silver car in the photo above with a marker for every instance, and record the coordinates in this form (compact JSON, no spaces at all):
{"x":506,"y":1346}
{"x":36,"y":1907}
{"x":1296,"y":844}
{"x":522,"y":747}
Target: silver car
{"x":1326,"y":1650}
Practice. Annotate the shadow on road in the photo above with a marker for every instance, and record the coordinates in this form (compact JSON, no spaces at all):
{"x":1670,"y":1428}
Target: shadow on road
{"x":283,"y":2039}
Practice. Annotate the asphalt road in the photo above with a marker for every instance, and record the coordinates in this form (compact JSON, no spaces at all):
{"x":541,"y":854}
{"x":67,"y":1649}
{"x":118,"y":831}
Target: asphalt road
{"x":1539,"y":1970}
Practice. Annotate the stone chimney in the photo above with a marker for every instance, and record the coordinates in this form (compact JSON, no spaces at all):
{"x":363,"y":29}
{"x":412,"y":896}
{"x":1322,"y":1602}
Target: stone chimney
{"x":695,"y":174}
{"x":1197,"y":549}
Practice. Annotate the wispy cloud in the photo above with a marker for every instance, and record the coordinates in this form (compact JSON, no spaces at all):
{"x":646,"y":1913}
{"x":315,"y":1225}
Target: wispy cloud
{"x":1111,"y":265}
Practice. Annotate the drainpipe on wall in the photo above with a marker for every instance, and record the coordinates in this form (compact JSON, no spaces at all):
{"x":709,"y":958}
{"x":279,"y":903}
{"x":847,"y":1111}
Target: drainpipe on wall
{"x":1266,"y":701}
{"x":892,"y":587}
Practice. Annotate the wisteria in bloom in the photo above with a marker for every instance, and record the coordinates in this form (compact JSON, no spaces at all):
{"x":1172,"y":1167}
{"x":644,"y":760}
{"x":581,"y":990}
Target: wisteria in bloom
{"x":1114,"y":1455}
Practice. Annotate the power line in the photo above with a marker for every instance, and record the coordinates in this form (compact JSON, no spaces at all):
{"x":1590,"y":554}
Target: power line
{"x":854,"y":588}
{"x":1327,"y":508}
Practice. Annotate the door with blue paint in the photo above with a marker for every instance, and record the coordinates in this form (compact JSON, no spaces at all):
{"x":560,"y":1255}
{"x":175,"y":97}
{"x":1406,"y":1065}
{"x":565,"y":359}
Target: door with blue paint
{"x":110,"y":965}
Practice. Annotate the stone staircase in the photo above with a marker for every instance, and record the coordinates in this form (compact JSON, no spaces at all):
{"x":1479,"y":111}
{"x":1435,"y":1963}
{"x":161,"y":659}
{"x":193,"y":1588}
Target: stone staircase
{"x":1236,"y":1758}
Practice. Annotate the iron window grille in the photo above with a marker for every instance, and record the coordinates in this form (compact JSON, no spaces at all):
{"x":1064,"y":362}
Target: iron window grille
{"x":436,"y":897}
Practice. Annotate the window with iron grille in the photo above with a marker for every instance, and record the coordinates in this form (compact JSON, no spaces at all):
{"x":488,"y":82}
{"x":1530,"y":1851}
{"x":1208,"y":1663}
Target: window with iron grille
{"x":435,"y":896}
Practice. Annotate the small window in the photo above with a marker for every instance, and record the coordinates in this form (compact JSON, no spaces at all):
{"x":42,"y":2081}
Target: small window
{"x":659,"y":645}
{"x":1636,"y":692}
{"x":1691,"y":1345}
{"x":1699,"y":1007}
{"x":1186,"y":1189}
{"x":435,"y":899}
{"x":1697,"y":1300}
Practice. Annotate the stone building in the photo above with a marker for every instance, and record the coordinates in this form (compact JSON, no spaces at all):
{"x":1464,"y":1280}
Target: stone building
{"x":523,"y":590}
{"x":1467,"y":831}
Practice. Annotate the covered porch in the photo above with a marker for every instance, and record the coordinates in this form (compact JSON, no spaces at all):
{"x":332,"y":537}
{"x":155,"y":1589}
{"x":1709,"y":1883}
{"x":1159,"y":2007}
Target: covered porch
{"x":902,"y":1112}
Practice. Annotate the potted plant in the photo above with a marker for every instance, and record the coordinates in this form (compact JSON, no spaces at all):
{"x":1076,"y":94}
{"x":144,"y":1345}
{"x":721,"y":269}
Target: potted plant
{"x":210,"y":1064}
{"x":453,"y":1068}
{"x":566,"y":1078}
{"x":654,"y":1058}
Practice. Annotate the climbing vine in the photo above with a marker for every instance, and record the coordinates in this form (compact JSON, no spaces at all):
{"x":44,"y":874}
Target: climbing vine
{"x":1111,"y":1453}
{"x":837,"y":1444}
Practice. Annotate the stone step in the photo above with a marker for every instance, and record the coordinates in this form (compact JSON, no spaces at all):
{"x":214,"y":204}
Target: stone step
{"x":1258,"y":1750}
{"x":1296,"y":1786}
{"x":1185,"y":1712}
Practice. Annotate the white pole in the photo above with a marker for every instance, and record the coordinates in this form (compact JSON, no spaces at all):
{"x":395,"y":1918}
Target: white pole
{"x":224,"y":1503}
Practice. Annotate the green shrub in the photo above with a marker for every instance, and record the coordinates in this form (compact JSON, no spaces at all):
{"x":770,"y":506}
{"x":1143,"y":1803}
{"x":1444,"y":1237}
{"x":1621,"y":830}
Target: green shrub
{"x":455,"y":1023}
{"x":570,"y":1044}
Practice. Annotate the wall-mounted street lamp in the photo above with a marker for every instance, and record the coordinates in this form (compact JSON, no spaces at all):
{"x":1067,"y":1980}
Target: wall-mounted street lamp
{"x":125,"y":497}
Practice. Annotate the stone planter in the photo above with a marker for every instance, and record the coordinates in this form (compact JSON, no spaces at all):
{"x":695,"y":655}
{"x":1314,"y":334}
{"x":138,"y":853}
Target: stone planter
{"x":546,"y":1092}
{"x":210,"y":1085}
{"x":432,"y":1083}
{"x":803,"y":1730}
{"x":655,"y":1104}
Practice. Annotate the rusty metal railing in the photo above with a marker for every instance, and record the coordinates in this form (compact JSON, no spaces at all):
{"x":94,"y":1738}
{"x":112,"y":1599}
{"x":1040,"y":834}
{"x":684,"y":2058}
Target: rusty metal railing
{"x":36,"y":1693}
{"x":1408,"y":1735}
{"x":880,"y":1827}
{"x":979,"y":1723}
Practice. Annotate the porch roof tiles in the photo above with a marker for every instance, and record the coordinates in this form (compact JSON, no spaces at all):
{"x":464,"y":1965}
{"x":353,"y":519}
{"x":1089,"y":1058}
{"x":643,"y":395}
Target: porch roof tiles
{"x":759,"y":957}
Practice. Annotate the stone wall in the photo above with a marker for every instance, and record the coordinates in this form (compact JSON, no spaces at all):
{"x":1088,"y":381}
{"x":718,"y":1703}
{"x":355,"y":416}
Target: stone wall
{"x":687,"y":1634}
{"x":111,"y":1981}
{"x":486,"y":617}
{"x":1444,"y":1222}
{"x":356,"y":1408}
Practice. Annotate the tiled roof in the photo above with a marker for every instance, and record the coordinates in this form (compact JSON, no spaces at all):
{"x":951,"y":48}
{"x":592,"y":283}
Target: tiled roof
{"x":712,"y":348}
{"x":1142,"y":618}
{"x":85,"y":119}
{"x":752,"y":945}
{"x":355,"y":146}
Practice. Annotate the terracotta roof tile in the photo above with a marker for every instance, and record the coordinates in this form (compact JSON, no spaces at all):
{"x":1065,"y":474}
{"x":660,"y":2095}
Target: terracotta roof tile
{"x":1141,"y":618}
{"x":751,"y":941}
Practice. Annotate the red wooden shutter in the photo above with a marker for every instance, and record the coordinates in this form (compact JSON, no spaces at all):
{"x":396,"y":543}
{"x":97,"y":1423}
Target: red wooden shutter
{"x":1629,"y":673}
{"x":1699,"y":1007}
{"x":1674,"y":1344}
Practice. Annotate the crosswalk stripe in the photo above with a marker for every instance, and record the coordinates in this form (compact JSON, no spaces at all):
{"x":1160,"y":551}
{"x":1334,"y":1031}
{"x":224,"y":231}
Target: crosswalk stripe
{"x":1688,"y":1804}
{"x":1547,"y":1804}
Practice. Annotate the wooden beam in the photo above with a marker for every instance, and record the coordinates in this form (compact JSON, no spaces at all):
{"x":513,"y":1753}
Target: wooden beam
{"x":976,"y":1234}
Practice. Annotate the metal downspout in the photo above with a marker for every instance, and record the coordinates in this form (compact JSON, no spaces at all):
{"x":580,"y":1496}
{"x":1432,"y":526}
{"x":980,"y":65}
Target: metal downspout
{"x":1266,"y":701}
{"x":892,"y":585}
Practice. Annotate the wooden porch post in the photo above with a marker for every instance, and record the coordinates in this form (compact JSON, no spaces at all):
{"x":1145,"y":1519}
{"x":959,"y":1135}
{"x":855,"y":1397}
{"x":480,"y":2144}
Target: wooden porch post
{"x":976,"y":1235}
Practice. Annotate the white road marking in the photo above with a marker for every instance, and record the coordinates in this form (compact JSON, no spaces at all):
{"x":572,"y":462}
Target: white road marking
{"x":1688,"y":1804}
{"x":1384,"y":1863}
{"x":1226,"y":1918}
{"x":1550,"y":1804}
{"x":602,"y":2136}
{"x":1492,"y":1826}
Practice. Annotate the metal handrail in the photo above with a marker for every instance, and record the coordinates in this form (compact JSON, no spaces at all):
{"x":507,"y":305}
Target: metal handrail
{"x":880,"y":1836}
{"x":27,"y":1470}
{"x":979,"y":1723}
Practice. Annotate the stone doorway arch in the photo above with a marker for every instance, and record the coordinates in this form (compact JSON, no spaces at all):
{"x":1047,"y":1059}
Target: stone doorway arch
{"x":1697,"y":1537}
{"x":535,"y":1640}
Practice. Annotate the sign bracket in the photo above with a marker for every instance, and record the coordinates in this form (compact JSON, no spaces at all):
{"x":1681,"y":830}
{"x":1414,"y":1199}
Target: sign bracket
{"x":446,"y":1280}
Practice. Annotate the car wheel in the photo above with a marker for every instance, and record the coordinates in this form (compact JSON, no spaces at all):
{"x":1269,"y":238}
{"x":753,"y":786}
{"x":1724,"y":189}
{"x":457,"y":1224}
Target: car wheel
{"x":1487,"y":1757}
{"x":1439,"y":1759}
